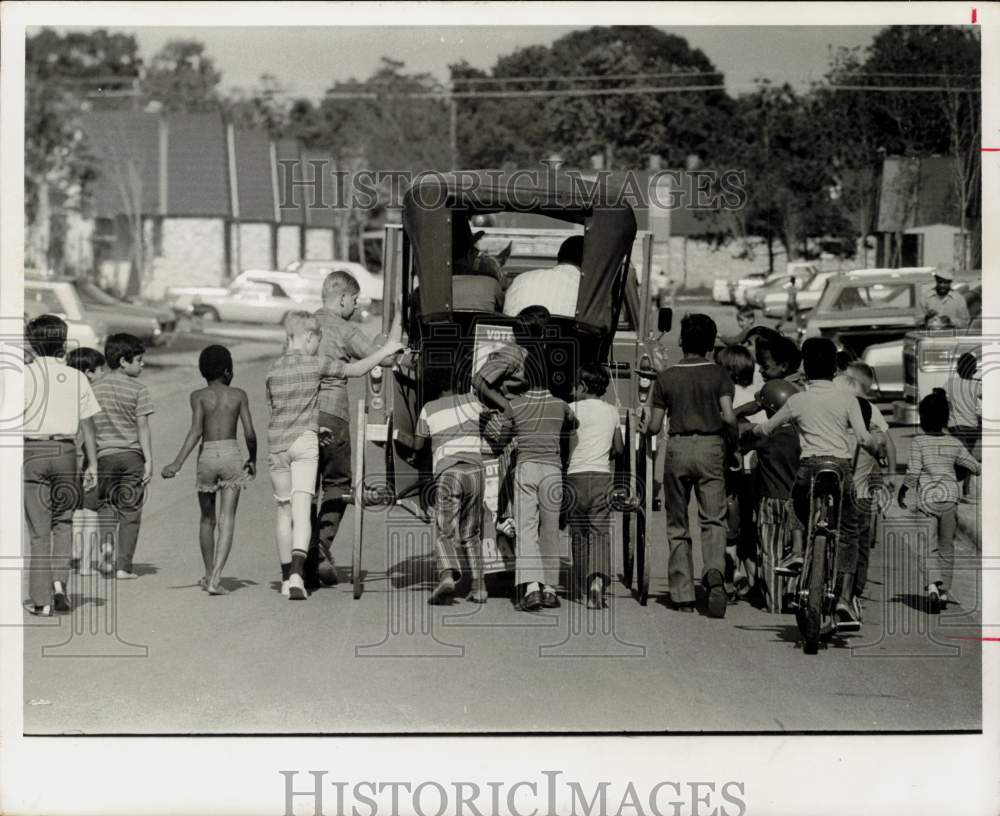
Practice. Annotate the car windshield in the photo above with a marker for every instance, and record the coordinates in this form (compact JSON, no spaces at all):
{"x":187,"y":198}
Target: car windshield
{"x":873,"y":296}
{"x":92,"y":293}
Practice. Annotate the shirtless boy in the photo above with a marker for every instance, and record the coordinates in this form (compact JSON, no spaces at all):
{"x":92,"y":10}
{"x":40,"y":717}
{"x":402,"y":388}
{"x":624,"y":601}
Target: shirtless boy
{"x":215,"y":410}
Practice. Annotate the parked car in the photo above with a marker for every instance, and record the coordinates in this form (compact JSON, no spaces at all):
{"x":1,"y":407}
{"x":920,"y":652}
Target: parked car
{"x":863,"y":308}
{"x":775,"y":301}
{"x":253,"y":297}
{"x":370,"y":297}
{"x":120,"y":316}
{"x":61,"y":299}
{"x":722,"y":290}
{"x":752,"y":281}
{"x":908,"y":368}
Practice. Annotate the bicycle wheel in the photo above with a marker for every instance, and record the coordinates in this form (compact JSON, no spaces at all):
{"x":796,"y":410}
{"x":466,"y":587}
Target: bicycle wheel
{"x":810,"y":614}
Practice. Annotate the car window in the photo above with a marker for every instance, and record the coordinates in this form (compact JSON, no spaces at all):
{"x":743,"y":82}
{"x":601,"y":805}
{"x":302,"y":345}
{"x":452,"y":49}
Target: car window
{"x":59,"y":299}
{"x":44,"y":298}
{"x":874,"y":296}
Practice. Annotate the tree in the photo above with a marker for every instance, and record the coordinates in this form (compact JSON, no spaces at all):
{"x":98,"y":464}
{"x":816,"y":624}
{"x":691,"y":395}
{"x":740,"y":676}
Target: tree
{"x":265,"y":106}
{"x":181,"y":77}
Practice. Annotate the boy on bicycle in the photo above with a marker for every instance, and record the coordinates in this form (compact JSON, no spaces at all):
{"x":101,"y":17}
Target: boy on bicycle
{"x":824,"y":416}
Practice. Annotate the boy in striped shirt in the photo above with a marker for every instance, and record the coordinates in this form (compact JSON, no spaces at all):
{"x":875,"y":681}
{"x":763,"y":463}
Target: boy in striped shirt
{"x":124,"y":445}
{"x":292,"y":386}
{"x":452,"y":424}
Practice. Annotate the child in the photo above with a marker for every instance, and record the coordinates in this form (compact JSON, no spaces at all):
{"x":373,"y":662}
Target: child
{"x":90,"y":362}
{"x":293,"y":394}
{"x":541,"y":422}
{"x":746,"y":317}
{"x":343,"y":342}
{"x":697,"y":395}
{"x":931,"y":470}
{"x":777,"y":357}
{"x":738,"y":361}
{"x":124,"y":445}
{"x":504,"y":375}
{"x":62,"y":404}
{"x":589,"y":482}
{"x":965,"y":398}
{"x":215,"y":410}
{"x":824,"y":416}
{"x":452,"y":424}
{"x":777,"y":463}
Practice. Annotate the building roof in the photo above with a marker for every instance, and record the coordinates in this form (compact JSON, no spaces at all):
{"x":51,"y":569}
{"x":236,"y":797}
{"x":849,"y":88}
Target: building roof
{"x":197,"y":166}
{"x":126,"y":147}
{"x":255,"y":181}
{"x":291,"y":199}
{"x":917,"y":192}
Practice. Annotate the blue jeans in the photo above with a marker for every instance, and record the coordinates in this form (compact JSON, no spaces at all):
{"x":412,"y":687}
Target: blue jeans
{"x":694,"y":463}
{"x":847,"y":542}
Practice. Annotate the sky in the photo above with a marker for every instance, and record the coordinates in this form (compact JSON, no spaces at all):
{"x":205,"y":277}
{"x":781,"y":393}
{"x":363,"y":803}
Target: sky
{"x":308,"y":60}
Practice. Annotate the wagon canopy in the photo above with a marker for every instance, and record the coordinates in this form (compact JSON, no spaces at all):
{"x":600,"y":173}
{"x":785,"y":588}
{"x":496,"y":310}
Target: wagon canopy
{"x":437,"y":208}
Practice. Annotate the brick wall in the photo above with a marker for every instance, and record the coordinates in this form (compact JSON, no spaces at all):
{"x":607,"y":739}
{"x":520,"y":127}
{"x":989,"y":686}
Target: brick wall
{"x":319,"y":243}
{"x":288,"y":245}
{"x":194,"y":254}
{"x":254,"y":244}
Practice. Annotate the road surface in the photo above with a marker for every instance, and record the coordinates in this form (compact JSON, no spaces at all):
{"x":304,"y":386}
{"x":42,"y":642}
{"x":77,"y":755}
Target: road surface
{"x":158,"y":655}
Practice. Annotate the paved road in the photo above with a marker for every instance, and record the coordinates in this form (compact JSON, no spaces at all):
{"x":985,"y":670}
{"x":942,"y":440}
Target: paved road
{"x":181,"y":661}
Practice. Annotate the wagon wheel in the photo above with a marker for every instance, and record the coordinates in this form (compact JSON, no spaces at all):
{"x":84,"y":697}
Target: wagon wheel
{"x":358,"y":486}
{"x":624,"y":475}
{"x":644,"y":515}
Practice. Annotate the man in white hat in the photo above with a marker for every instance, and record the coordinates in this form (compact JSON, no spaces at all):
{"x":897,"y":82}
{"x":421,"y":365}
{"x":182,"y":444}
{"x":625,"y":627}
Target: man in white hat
{"x":940,"y":300}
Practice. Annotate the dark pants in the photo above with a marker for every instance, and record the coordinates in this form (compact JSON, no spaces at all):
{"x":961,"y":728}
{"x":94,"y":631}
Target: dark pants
{"x":121,"y":494}
{"x":847,"y":546}
{"x":694,"y":463}
{"x":458,"y":515}
{"x":866,"y":534}
{"x":51,"y":492}
{"x":334,"y":485}
{"x":588,"y":511}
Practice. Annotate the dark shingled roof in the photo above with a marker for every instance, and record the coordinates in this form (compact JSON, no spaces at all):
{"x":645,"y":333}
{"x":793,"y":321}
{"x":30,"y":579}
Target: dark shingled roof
{"x":118,"y":141}
{"x":197,"y":167}
{"x":916,"y":193}
{"x":253,"y":172}
{"x":291,"y":200}
{"x":318,"y":165}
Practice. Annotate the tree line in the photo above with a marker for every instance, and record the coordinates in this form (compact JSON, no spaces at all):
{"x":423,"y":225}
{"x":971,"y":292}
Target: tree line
{"x":624,"y":97}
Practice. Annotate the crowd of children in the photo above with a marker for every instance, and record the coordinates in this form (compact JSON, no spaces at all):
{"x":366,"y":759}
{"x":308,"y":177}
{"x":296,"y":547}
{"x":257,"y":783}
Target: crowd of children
{"x":746,"y":430}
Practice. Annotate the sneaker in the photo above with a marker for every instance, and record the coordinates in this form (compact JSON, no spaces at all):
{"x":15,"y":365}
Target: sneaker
{"x":125,"y":575}
{"x":284,"y":588}
{"x":296,"y":589}
{"x":59,"y":600}
{"x":933,"y":598}
{"x":858,"y":608}
{"x":847,"y":621}
{"x":717,"y":600}
{"x":39,"y":611}
{"x":790,"y":565}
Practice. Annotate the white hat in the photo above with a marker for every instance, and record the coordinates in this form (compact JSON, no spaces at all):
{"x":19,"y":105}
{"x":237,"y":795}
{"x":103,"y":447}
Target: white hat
{"x":944,"y":274}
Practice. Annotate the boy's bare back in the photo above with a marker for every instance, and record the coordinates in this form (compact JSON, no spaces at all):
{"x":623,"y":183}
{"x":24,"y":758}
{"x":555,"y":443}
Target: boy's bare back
{"x":220,"y":410}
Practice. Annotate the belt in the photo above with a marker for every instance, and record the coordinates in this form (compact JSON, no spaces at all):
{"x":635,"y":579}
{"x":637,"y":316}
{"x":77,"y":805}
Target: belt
{"x":52,"y":438}
{"x":696,"y":433}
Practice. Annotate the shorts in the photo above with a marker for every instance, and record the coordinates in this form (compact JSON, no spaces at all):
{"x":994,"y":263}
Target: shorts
{"x":294,"y":470}
{"x":220,"y":464}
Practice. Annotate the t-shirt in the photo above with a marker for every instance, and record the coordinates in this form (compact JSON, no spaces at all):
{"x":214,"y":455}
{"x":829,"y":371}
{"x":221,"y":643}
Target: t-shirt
{"x":965,"y":400}
{"x":292,"y":387}
{"x":931,"y":470}
{"x":777,"y":463}
{"x":505,"y":369}
{"x":343,"y":342}
{"x":590,"y":448}
{"x":540,"y":421}
{"x":690,"y":394}
{"x":56,"y":398}
{"x":452,"y":424}
{"x":123,"y":399}
{"x":555,"y":288}
{"x":952,"y":306}
{"x":823,"y":414}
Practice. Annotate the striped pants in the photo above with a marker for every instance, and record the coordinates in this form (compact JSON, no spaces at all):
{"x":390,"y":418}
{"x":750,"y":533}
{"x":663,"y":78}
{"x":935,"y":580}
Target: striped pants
{"x":773,"y":528}
{"x":458,"y":513}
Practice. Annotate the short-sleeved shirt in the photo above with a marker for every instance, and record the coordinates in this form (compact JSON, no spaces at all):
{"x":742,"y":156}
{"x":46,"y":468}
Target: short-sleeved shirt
{"x":965,"y":399}
{"x":123,"y":399}
{"x":556,"y":288}
{"x":343,"y":342}
{"x":590,"y":448}
{"x":56,"y":398}
{"x":505,"y":369}
{"x":931,"y":470}
{"x":823,"y":414}
{"x":292,"y":387}
{"x":952,"y":306}
{"x":777,"y":463}
{"x":690,"y":394}
{"x":540,"y":421}
{"x":452,"y":424}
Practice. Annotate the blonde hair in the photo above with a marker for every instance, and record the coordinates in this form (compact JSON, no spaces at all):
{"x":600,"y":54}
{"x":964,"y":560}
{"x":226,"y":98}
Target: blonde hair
{"x":299,"y":323}
{"x":339,"y":283}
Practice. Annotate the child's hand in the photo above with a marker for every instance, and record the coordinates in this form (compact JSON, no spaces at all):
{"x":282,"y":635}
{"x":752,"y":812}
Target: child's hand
{"x":901,"y":499}
{"x":170,"y":471}
{"x":147,"y":472}
{"x":90,"y":477}
{"x":393,"y":347}
{"x":251,"y":468}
